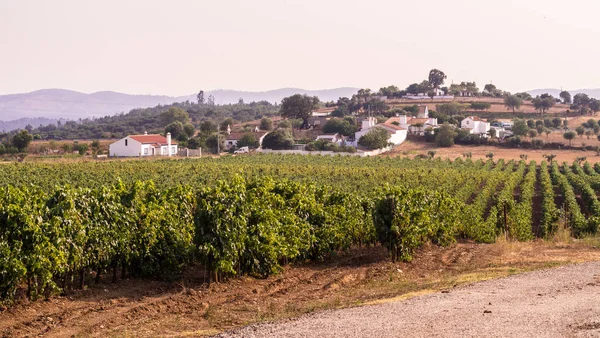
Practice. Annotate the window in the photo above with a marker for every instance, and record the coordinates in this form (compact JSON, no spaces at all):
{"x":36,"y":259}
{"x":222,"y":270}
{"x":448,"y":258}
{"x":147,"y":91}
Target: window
{"x":145,"y":151}
{"x":172,"y":150}
{"x":126,"y":142}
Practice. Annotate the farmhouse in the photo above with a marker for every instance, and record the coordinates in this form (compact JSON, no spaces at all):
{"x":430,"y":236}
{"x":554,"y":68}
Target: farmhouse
{"x":397,"y":132}
{"x":476,"y":125}
{"x":233,"y":138}
{"x":143,"y":145}
{"x":415,"y":125}
{"x":333,"y":138}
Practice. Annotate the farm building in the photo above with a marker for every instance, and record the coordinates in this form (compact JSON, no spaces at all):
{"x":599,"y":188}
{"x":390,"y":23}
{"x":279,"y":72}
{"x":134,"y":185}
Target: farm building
{"x":233,"y":138}
{"x":476,"y":125}
{"x":334,"y":138}
{"x":143,"y":145}
{"x":397,"y":133}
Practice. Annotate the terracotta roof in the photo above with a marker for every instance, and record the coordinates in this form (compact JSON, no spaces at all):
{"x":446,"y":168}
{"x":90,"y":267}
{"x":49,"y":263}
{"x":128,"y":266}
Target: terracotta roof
{"x":152,"y":138}
{"x":234,"y":136}
{"x":395,"y":119}
{"x":476,"y":118}
{"x":412,"y":122}
{"x":392,"y":126}
{"x":325,"y":110}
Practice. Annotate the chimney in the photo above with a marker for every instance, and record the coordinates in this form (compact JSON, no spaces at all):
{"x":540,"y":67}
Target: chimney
{"x":169,"y":143}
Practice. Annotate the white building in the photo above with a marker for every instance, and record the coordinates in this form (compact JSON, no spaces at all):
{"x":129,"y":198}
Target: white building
{"x":233,"y":138}
{"x":476,"y":126}
{"x":397,"y":133}
{"x":143,"y":145}
{"x":416,"y":125}
{"x":333,"y":138}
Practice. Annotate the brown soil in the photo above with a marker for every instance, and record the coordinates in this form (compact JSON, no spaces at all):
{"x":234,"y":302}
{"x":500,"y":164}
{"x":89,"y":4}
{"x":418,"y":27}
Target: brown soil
{"x":413,"y":148}
{"x":142,"y":308}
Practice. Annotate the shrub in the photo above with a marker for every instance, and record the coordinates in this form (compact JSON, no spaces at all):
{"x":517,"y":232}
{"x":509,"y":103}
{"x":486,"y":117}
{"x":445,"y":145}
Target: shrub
{"x":376,"y":138}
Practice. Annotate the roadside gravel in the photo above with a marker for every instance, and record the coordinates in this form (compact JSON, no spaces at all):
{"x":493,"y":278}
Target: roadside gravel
{"x":563,"y":302}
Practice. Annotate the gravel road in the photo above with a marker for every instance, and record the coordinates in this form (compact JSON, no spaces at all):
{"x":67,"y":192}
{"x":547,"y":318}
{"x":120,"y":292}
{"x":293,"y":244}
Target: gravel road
{"x":560,"y":302}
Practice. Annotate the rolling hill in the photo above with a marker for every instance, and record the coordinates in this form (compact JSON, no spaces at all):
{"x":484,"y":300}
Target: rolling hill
{"x":68,"y":104}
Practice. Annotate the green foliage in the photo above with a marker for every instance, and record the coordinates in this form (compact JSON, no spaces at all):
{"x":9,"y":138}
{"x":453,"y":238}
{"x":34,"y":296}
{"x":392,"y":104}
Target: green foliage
{"x":280,"y":139}
{"x":299,"y":106}
{"x":513,"y":102}
{"x":266,"y":124}
{"x":376,"y":138}
{"x":407,"y":219}
{"x":337,"y":125}
{"x":248,"y":140}
{"x":445,"y":135}
{"x":22,"y":139}
{"x":452,"y":108}
{"x":480,"y":105}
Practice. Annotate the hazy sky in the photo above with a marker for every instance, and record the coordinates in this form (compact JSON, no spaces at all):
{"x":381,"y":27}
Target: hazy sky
{"x":177,"y":47}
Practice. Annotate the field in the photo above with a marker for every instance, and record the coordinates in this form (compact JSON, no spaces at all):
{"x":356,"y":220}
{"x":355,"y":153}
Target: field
{"x":69,"y":225}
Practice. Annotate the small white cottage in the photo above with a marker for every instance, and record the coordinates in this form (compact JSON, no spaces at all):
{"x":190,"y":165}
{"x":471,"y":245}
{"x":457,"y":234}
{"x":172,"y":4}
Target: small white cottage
{"x":476,"y":125}
{"x":143,"y":145}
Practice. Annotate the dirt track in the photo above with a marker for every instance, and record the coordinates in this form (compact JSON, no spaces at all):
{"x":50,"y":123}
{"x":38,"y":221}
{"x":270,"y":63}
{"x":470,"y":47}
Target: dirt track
{"x":549,"y":303}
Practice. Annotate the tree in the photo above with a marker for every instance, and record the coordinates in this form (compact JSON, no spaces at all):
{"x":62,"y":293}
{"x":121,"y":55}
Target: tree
{"x":570,"y":135}
{"x":520,"y":127}
{"x":189,"y":129}
{"x":543,"y":103}
{"x":490,"y":88}
{"x":532,"y":133}
{"x":211,"y":142}
{"x":513,"y":102}
{"x":492,"y":132}
{"x":565,"y":96}
{"x":524,"y":96}
{"x":248,"y":140}
{"x":451,"y":108}
{"x":445,"y":135}
{"x":436,"y":78}
{"x":200,"y":97}
{"x":280,"y":139}
{"x":580,"y":131}
{"x":480,"y":105}
{"x":22,"y":139}
{"x":174,"y":114}
{"x":547,"y":131}
{"x":266,"y":124}
{"x":376,"y":138}
{"x":594,"y":105}
{"x":589,"y":133}
{"x":581,"y":102}
{"x":228,"y":122}
{"x":211,"y":100}
{"x":241,"y":101}
{"x":556,"y":122}
{"x":284,"y":124}
{"x":208,"y":127}
{"x":299,"y":106}
{"x":341,"y":126}
{"x":175,"y":128}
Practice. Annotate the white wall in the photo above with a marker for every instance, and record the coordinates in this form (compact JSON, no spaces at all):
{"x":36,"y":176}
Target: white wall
{"x":133,"y":148}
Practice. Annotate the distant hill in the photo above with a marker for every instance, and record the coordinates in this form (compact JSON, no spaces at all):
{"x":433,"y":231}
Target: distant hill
{"x":595,"y":93}
{"x":21,"y":123}
{"x":67,"y":104}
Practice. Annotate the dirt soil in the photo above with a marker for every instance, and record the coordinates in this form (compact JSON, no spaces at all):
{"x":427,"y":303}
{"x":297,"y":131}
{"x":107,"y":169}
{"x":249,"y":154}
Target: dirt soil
{"x":412,"y":148}
{"x":550,"y":303}
{"x":142,"y":308}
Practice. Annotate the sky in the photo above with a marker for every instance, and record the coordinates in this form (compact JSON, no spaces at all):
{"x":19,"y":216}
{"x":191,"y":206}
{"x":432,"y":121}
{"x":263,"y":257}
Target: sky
{"x":178,"y":47}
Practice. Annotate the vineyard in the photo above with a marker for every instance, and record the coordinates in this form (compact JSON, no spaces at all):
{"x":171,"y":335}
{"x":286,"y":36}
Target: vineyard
{"x":62,"y":223}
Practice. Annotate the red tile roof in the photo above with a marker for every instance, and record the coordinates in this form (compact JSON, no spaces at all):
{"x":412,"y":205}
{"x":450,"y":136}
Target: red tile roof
{"x":392,"y":126}
{"x":153,"y":138}
{"x":476,"y":118}
{"x":414,"y":121}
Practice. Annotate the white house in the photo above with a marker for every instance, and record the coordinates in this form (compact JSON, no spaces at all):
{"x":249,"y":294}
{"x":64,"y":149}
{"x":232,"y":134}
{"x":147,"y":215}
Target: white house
{"x":334,"y":138}
{"x":143,"y":145}
{"x":415,"y":125}
{"x":233,"y":138}
{"x":476,"y":125}
{"x":397,"y":133}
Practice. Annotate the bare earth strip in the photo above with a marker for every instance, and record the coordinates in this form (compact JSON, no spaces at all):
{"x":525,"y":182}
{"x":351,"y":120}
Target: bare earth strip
{"x":563,"y":302}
